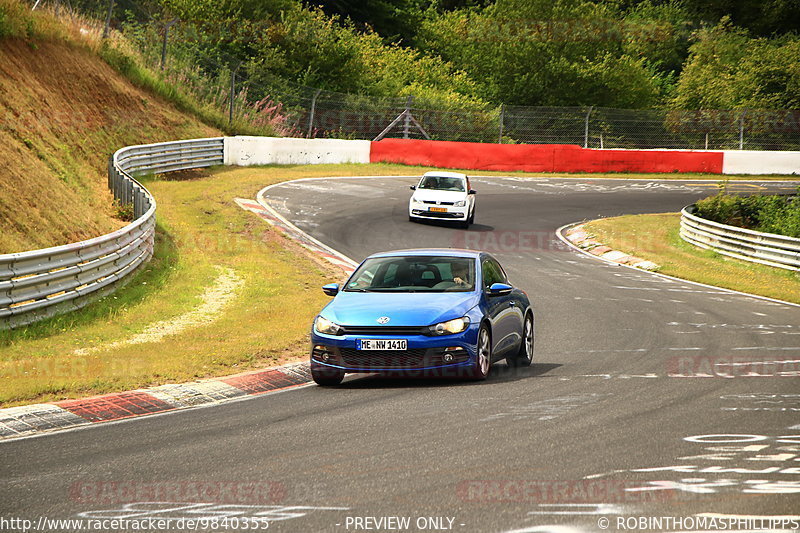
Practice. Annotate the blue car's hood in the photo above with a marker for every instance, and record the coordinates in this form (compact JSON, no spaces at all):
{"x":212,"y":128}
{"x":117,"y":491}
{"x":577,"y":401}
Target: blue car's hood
{"x":403,"y":309}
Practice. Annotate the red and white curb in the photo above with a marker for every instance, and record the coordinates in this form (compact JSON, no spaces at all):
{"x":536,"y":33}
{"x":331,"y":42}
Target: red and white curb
{"x":578,"y":236}
{"x":29,"y":420}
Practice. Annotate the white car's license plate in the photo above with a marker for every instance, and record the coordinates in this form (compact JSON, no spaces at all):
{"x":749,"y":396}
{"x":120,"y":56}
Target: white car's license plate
{"x":381,"y":344}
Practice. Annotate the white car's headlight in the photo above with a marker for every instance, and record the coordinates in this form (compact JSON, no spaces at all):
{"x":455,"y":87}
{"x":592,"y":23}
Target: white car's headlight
{"x":450,"y":327}
{"x":462,"y":203}
{"x":414,"y":200}
{"x":323,"y":325}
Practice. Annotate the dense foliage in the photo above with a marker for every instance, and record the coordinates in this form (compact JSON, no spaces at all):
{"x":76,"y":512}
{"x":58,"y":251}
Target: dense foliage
{"x":690,"y":54}
{"x":770,"y":214}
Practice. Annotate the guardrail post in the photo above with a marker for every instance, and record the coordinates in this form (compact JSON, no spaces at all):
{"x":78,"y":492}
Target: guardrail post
{"x":167,"y":26}
{"x":110,"y":172}
{"x":112,"y":176}
{"x":311,"y":114}
{"x":108,"y":19}
{"x":407,"y":122}
{"x":741,"y":130}
{"x":502,"y":117}
{"x":586,"y":127}
{"x":233,"y":92}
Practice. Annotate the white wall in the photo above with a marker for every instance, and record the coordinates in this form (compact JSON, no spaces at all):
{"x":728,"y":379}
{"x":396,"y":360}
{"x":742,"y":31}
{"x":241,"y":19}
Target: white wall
{"x":244,"y":151}
{"x":757,"y":162}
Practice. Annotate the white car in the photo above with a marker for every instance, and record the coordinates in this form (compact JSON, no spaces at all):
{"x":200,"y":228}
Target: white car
{"x":443,"y":196}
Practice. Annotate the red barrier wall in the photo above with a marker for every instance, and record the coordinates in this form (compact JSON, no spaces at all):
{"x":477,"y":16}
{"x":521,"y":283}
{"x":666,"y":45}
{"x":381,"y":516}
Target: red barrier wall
{"x":540,"y":157}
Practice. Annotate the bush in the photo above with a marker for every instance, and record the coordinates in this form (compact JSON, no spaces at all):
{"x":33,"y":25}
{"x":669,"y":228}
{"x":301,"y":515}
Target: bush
{"x":123,"y":211}
{"x":770,"y":214}
{"x":4,"y":27}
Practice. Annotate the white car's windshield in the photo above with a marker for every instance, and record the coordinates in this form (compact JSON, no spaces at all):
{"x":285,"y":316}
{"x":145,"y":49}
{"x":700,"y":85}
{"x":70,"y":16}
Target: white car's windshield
{"x":414,"y":274}
{"x":442,"y":183}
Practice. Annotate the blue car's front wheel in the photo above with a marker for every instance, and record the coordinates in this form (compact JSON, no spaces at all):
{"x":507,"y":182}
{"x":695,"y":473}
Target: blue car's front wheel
{"x":483,"y":357}
{"x":326,"y":376}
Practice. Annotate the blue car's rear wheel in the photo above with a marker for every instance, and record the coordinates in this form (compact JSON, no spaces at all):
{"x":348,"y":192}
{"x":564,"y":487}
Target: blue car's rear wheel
{"x":524,"y":357}
{"x":483,"y":359}
{"x":326,"y":376}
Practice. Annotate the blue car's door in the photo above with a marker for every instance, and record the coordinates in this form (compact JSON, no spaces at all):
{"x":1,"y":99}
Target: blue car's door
{"x":503,"y":309}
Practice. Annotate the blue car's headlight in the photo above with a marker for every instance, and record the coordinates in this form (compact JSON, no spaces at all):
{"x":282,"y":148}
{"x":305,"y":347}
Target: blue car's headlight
{"x":323,"y":325}
{"x":450,"y":327}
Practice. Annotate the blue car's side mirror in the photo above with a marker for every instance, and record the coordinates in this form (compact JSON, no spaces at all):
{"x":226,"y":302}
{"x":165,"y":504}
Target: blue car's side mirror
{"x":499,"y":289}
{"x":331,"y":289}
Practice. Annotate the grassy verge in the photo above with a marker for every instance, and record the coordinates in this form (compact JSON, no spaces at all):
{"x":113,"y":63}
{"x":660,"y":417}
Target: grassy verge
{"x":655,"y":237}
{"x":200,"y":228}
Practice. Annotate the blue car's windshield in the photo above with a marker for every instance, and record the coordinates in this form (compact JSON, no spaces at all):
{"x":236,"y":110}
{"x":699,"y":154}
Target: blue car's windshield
{"x":414,"y":274}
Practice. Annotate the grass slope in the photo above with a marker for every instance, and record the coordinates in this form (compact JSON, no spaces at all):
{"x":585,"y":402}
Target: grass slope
{"x":63,"y":111}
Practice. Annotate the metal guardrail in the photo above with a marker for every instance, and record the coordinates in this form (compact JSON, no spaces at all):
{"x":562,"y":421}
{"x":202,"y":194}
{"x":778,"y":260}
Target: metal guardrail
{"x":42,"y":283}
{"x":765,"y":248}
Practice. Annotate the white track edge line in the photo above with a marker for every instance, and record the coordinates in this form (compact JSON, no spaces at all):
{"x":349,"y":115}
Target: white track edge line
{"x":260,"y":198}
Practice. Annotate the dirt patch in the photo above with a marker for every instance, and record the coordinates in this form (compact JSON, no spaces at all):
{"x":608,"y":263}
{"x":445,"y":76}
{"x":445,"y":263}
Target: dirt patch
{"x":212,"y":302}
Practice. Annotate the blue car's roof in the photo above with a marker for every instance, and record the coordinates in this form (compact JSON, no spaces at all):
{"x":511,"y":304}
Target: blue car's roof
{"x":446,"y":252}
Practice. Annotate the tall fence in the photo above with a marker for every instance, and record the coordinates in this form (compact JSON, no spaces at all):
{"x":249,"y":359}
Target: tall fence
{"x":766,"y":248}
{"x":41,"y":283}
{"x":334,"y":115}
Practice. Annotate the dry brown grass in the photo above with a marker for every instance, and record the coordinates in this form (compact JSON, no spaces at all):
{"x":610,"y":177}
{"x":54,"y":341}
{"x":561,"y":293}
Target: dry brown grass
{"x":63,"y":111}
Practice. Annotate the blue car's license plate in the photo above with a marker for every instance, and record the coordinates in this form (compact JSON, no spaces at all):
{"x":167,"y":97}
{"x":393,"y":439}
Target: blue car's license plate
{"x":381,"y":344}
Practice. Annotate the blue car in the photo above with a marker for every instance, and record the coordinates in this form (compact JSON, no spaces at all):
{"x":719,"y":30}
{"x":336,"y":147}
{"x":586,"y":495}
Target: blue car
{"x":450,"y":313}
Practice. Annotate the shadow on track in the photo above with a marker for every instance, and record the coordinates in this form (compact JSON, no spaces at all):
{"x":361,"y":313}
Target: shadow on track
{"x":479,"y":228}
{"x":500,"y":373}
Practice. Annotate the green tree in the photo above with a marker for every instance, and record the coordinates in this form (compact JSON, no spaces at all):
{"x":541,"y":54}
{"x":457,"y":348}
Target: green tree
{"x":729,"y":69}
{"x":537,"y":52}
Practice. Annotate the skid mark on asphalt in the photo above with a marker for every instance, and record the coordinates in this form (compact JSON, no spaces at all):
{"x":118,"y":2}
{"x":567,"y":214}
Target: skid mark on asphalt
{"x":779,"y":403}
{"x":769,"y":348}
{"x":549,"y":409}
{"x":725,"y":325}
{"x":176,"y":511}
{"x":550,"y":186}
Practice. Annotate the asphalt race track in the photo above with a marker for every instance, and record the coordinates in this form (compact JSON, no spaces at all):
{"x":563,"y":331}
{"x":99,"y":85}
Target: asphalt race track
{"x":647,"y":398}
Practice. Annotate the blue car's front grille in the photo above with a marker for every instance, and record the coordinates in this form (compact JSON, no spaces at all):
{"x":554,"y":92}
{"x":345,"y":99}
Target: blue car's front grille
{"x":383,"y":358}
{"x":387,"y":359}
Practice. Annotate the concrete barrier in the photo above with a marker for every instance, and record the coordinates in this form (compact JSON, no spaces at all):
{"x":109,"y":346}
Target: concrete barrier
{"x":757,"y":162}
{"x":245,"y":151}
